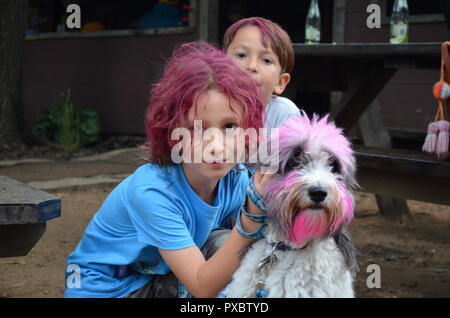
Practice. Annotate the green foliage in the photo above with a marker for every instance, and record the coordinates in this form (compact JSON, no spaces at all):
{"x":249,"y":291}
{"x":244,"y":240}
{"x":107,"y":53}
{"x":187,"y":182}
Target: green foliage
{"x":68,"y":125}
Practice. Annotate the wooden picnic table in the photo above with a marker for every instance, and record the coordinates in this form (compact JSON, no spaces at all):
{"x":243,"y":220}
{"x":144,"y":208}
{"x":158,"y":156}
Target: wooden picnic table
{"x":24,"y":212}
{"x":404,"y":173}
{"x":360,"y":71}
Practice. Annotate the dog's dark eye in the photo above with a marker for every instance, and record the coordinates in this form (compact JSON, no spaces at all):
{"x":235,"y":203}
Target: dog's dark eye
{"x":294,"y":161}
{"x":335,"y":166}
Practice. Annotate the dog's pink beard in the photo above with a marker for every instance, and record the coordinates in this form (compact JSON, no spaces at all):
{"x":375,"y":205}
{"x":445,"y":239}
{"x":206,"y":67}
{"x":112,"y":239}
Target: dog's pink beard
{"x":308,"y":225}
{"x":312,"y":224}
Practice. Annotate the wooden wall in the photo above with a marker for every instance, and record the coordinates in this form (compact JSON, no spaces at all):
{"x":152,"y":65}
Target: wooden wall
{"x":112,"y":75}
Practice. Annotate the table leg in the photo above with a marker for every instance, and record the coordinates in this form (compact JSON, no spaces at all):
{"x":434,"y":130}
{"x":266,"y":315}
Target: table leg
{"x":358,"y":98}
{"x":375,"y":134}
{"x":19,"y":239}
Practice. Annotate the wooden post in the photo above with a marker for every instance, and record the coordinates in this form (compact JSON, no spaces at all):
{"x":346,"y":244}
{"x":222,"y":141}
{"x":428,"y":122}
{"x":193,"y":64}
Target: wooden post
{"x":339,"y":11}
{"x":208,"y":20}
{"x":339,"y":14}
{"x":375,"y":134}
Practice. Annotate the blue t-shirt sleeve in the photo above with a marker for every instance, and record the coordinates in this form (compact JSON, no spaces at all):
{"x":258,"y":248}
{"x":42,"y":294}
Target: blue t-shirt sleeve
{"x":158,"y":220}
{"x":279,"y":110}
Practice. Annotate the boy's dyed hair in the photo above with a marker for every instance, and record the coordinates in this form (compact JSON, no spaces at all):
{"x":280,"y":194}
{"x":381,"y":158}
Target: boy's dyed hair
{"x":193,"y":69}
{"x":272,"y":34}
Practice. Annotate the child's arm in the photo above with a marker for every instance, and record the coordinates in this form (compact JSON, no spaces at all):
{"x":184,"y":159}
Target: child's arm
{"x":207,"y":278}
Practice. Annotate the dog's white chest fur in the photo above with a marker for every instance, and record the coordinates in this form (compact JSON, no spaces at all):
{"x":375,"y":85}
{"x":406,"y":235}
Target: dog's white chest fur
{"x":316,"y":271}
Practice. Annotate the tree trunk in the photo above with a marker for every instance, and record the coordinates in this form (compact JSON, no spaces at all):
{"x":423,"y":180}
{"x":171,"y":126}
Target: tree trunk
{"x":13,"y":23}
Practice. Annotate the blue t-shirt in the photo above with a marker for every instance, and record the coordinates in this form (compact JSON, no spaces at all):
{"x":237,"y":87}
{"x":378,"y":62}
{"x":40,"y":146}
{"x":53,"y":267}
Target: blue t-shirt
{"x":152,"y":208}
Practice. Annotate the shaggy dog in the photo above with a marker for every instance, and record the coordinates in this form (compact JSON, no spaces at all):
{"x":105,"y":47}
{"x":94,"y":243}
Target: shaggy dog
{"x":306,"y":251}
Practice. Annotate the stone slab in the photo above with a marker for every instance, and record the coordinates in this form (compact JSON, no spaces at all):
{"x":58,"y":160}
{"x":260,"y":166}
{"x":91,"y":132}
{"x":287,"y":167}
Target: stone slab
{"x":23,"y":204}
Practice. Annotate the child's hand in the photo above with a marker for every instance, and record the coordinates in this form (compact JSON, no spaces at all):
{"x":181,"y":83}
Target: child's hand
{"x":254,"y":205}
{"x":260,"y":181}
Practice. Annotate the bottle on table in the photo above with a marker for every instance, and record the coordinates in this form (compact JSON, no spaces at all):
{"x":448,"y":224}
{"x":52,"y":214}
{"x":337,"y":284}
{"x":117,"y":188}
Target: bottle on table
{"x":400,"y":22}
{"x":312,"y":29}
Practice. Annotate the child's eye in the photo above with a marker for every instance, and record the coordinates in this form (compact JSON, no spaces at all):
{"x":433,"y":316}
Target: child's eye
{"x":240,"y":55}
{"x":267,"y":60}
{"x":230,"y":126}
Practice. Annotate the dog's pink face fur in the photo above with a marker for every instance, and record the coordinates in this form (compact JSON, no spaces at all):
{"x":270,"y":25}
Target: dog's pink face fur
{"x":310,"y":196}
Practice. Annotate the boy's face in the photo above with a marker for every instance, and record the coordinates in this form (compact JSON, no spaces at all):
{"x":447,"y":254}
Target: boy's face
{"x":250,"y":54}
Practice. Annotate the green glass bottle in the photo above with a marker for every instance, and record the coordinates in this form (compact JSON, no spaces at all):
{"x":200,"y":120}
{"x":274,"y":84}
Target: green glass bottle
{"x":400,"y":22}
{"x":312,"y":28}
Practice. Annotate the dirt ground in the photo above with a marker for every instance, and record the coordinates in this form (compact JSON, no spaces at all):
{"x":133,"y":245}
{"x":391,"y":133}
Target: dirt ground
{"x":414,"y":257}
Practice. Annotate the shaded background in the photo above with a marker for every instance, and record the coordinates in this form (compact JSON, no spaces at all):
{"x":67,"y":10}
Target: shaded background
{"x":112,"y":72}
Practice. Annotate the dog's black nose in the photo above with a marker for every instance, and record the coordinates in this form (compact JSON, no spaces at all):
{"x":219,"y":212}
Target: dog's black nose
{"x":317,"y":194}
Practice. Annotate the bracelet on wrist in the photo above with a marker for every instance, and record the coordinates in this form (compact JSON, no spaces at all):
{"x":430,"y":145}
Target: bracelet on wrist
{"x":258,"y":234}
{"x":258,"y":218}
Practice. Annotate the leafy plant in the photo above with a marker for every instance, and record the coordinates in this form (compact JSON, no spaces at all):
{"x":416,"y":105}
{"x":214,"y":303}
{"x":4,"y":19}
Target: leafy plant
{"x":68,"y":125}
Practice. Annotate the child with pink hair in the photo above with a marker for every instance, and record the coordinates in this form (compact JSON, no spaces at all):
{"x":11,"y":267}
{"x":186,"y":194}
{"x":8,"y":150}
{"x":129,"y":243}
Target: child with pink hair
{"x":152,"y":226}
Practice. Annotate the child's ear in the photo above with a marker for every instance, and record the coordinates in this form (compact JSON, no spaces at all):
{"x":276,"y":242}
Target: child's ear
{"x":282,"y":83}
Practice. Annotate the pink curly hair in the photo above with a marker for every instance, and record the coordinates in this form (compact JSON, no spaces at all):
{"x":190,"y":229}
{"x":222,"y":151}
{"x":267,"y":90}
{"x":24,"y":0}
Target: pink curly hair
{"x":193,"y":69}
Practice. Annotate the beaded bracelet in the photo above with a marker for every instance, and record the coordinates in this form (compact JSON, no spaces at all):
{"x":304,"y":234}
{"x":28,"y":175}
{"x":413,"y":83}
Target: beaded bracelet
{"x":258,"y":234}
{"x":255,"y":197}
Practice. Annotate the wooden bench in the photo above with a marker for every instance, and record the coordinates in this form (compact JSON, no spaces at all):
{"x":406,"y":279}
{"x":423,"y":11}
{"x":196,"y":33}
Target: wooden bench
{"x":24,"y":212}
{"x":403,"y":174}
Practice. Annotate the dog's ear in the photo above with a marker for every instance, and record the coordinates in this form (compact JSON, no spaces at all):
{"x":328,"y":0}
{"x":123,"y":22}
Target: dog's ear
{"x":348,"y":250}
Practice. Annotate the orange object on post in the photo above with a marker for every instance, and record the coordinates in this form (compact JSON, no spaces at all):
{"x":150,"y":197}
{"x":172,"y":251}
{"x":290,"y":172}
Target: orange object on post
{"x":437,"y":140}
{"x":441,"y":90}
